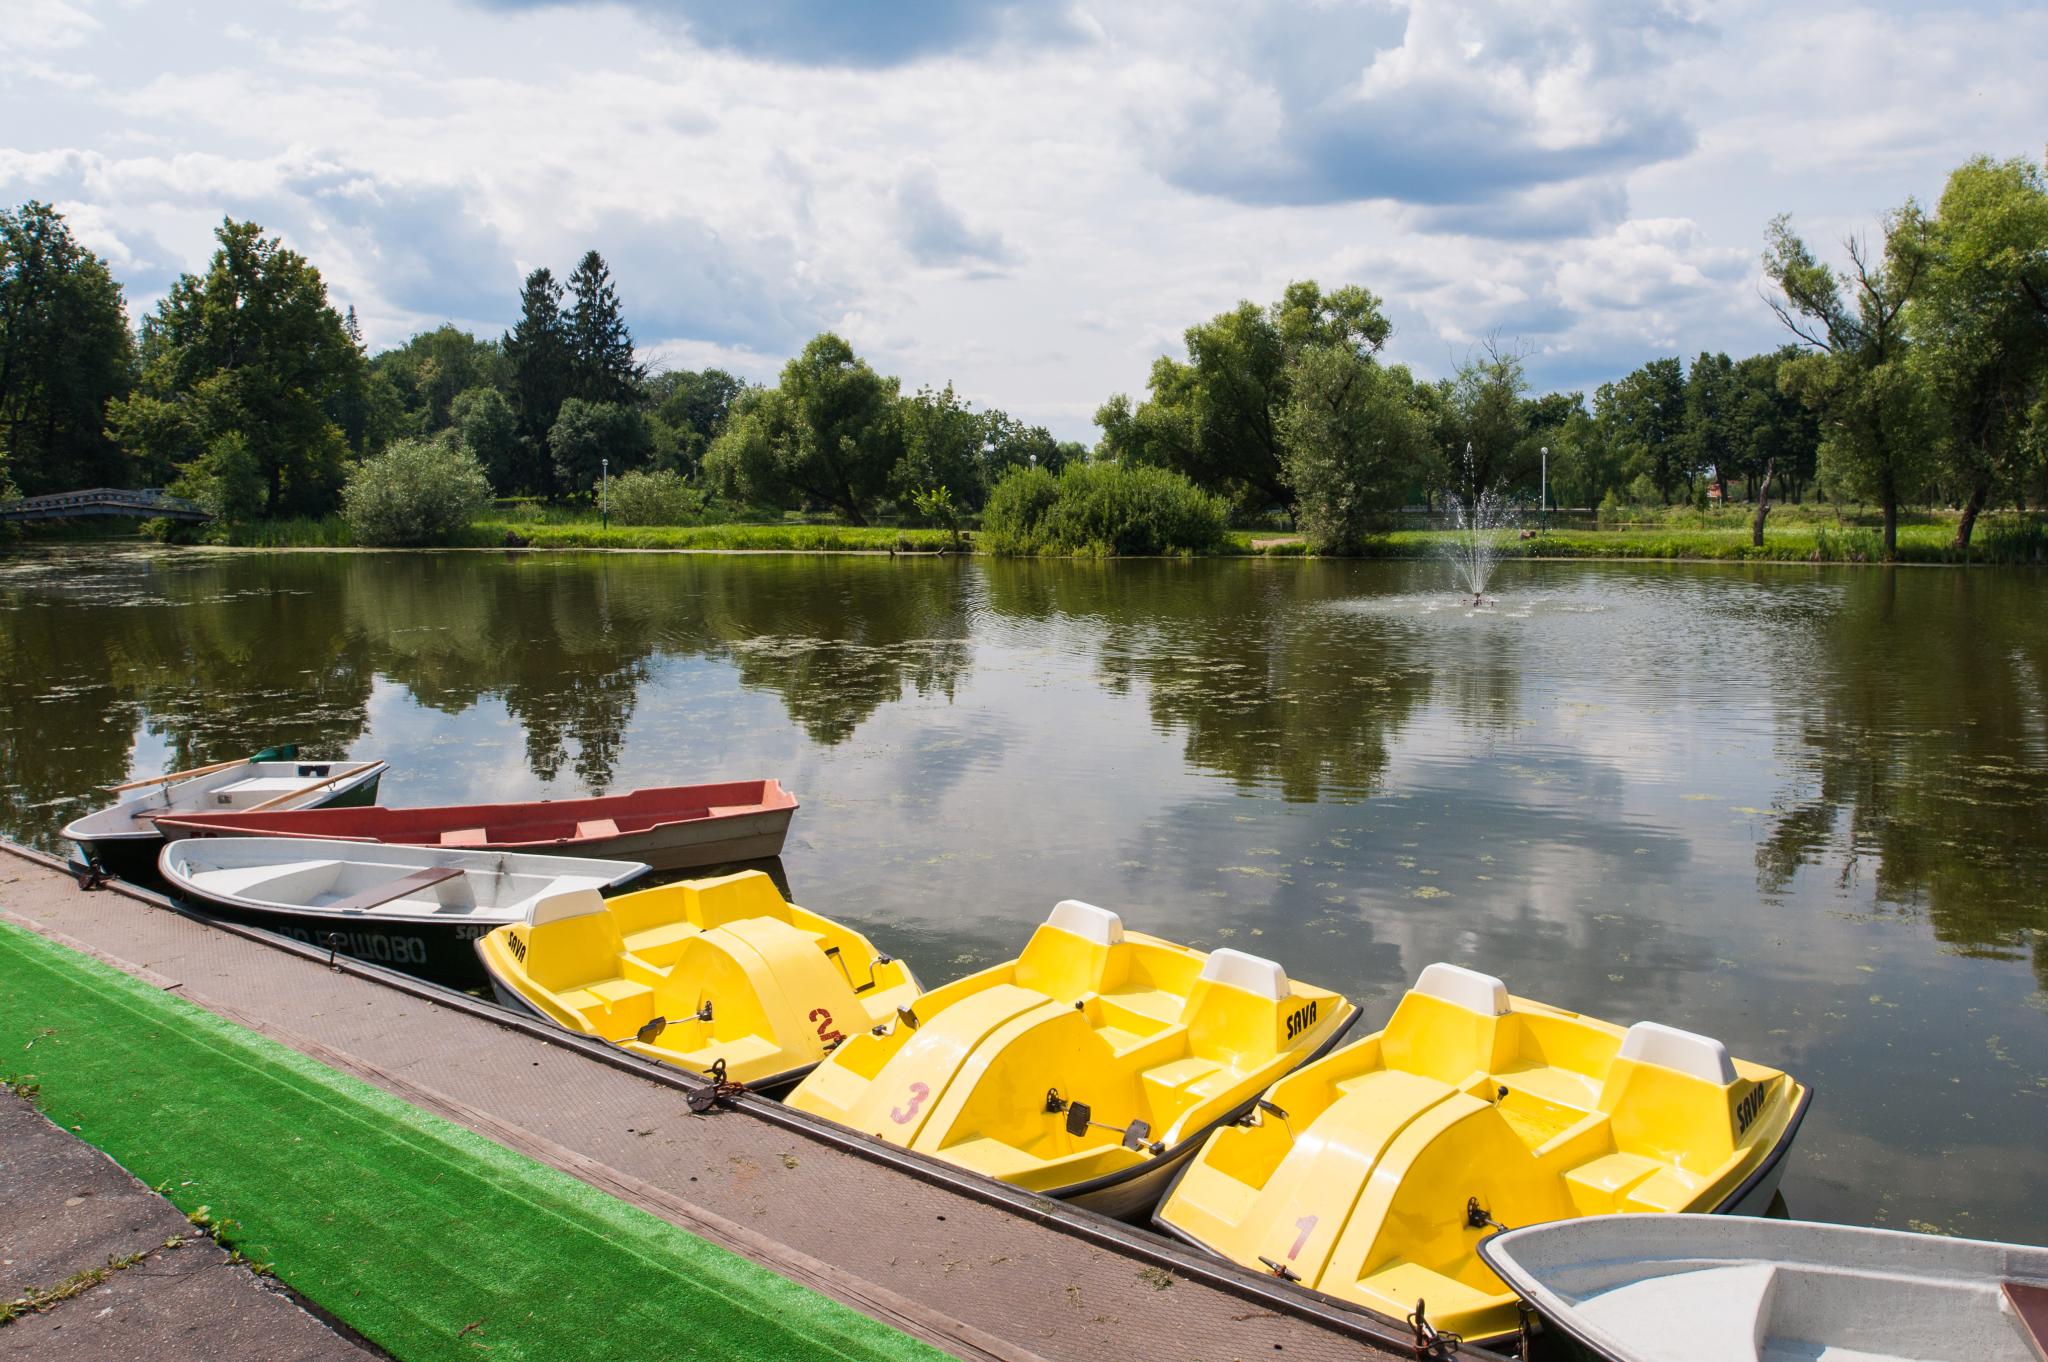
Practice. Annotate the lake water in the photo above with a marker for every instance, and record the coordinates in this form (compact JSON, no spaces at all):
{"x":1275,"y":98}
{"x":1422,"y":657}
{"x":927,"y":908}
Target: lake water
{"x":1804,"y":810}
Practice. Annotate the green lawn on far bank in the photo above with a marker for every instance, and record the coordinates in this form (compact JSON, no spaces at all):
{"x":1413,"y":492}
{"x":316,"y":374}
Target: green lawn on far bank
{"x":2019,"y":542}
{"x":428,"y":1239}
{"x":1796,"y":535}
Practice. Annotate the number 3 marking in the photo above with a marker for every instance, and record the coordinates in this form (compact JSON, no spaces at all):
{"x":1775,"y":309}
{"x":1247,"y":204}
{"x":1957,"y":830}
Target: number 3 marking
{"x":825,"y":1031}
{"x":903,"y":1116}
{"x":1307,"y":1226}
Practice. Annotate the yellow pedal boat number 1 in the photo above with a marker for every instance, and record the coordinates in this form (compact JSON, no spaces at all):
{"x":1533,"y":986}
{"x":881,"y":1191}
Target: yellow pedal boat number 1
{"x":699,"y":971}
{"x":1089,"y":1067}
{"x":1373,"y":1174}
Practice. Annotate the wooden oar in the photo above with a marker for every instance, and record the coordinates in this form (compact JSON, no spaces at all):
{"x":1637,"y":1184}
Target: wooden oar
{"x":177,"y":775}
{"x":290,"y":795}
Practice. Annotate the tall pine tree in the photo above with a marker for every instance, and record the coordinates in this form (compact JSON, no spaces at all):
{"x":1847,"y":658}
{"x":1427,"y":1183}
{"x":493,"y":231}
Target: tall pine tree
{"x":600,"y":345}
{"x":542,"y":375}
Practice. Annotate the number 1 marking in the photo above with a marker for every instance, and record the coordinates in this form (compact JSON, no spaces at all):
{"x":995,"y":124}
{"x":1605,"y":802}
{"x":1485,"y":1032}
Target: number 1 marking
{"x":1307,"y":1226}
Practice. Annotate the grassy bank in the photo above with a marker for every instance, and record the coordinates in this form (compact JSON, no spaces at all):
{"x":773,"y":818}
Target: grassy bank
{"x":544,"y":530}
{"x":428,"y":1239}
{"x":787,"y":538}
{"x":1800,"y":535}
{"x":1797,"y":543}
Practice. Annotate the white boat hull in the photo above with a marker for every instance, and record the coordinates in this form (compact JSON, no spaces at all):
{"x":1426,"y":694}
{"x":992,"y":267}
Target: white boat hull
{"x":1676,"y":1288}
{"x":325,"y":893}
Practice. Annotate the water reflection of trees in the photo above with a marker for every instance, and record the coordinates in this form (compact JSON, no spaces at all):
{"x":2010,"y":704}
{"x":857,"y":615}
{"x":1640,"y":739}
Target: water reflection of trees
{"x":219,"y":655}
{"x":1266,"y":676}
{"x":212,"y":666}
{"x":1918,"y":736}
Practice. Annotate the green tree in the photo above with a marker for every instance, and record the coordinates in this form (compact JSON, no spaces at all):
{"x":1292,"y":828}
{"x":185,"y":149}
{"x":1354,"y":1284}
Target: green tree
{"x":1772,"y":434}
{"x":1872,"y":403}
{"x":1215,"y":417}
{"x":942,"y":446}
{"x":1009,"y":443}
{"x":1642,"y":417}
{"x":689,"y":410}
{"x":431,"y":369}
{"x":253,"y":348}
{"x":65,"y":353}
{"x":1352,"y":438}
{"x":1584,"y":469}
{"x":225,"y":479}
{"x":537,"y":348}
{"x":1710,"y":419}
{"x":827,"y":434}
{"x":1980,"y":328}
{"x":587,"y":434}
{"x":600,"y":347}
{"x":1485,"y":428}
{"x":489,"y":430}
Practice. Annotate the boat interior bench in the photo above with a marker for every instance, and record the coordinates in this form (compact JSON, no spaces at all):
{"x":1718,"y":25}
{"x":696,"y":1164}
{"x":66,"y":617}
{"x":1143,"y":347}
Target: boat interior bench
{"x":379,"y":894}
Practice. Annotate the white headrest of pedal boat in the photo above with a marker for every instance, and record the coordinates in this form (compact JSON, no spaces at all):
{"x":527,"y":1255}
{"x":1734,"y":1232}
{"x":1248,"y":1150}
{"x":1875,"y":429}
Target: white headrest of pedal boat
{"x":1086,"y":921}
{"x":1256,"y":975}
{"x":1689,"y":1053}
{"x":569,"y":903}
{"x":1466,"y":988}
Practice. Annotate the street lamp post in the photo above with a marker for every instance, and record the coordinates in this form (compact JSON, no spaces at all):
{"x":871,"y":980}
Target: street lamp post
{"x":1543,"y":489}
{"x":604,"y":491}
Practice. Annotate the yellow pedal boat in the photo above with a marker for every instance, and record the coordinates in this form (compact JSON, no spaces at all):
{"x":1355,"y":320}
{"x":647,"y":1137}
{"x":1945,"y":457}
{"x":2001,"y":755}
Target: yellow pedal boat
{"x":699,"y":971}
{"x":1373,"y":1174}
{"x":1089,"y":1067}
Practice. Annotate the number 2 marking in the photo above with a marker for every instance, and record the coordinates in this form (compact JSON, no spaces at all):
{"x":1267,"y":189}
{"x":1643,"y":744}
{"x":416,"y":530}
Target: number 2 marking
{"x":825,"y":1031}
{"x":903,"y":1116}
{"x":1307,"y":1226}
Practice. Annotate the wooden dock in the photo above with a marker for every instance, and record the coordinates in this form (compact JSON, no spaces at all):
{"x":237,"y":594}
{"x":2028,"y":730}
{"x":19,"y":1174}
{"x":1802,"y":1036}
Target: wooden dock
{"x":980,"y":1270}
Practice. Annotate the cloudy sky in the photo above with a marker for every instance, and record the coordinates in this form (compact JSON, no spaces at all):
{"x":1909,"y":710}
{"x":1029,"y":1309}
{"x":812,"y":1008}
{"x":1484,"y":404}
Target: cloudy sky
{"x":1029,"y":199}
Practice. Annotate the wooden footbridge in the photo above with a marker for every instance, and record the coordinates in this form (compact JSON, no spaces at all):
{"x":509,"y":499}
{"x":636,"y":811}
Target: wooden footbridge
{"x":93,"y":501}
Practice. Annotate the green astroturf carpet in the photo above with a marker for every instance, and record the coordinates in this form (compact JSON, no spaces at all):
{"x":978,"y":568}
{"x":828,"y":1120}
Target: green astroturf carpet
{"x":406,"y":1226}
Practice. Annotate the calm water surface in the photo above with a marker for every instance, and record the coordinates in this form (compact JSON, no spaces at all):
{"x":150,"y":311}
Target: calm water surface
{"x":1804,"y":810}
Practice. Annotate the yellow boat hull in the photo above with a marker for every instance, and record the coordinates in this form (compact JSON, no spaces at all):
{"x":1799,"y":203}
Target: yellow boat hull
{"x":1372,"y":1175}
{"x":1089,"y":1067}
{"x":698,"y":972}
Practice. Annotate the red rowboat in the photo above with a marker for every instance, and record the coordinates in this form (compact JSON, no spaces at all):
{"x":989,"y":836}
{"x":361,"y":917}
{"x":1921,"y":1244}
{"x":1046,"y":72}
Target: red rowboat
{"x":671,"y":828}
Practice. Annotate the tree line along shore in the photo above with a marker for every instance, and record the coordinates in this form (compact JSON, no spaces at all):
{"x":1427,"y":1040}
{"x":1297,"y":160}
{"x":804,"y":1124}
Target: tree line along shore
{"x":1905,"y":418}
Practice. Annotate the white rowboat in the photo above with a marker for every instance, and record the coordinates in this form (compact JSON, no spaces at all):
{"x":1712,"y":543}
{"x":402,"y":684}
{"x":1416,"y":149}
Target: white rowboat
{"x":1687,"y":1288}
{"x":418,"y":908}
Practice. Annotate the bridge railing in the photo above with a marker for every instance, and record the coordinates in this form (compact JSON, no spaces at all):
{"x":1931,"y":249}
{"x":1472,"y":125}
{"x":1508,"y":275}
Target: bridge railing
{"x":103,"y":501}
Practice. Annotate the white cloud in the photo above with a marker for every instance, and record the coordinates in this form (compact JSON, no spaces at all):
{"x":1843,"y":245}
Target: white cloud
{"x":1032,"y":204}
{"x":39,"y":25}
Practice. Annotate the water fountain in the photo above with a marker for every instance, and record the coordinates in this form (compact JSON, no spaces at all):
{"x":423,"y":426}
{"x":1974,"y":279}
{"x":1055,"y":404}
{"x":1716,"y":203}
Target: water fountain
{"x":1477,"y":517}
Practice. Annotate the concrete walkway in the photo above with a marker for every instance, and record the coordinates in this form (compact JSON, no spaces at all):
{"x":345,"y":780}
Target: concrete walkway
{"x":165,"y":1292}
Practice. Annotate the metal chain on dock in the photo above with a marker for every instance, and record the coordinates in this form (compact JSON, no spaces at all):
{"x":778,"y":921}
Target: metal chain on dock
{"x":718,"y":1092}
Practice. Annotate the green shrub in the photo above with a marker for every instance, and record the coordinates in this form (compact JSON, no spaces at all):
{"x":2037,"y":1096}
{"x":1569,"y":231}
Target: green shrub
{"x":1102,"y":509}
{"x":1015,"y":508}
{"x":416,"y":492}
{"x":935,"y":507}
{"x":2024,"y":541}
{"x":660,"y":498}
{"x":1840,"y":545}
{"x":226,"y":480}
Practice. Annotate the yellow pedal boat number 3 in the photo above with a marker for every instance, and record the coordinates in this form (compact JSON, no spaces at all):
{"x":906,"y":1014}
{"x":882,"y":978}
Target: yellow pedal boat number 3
{"x":1089,"y":1067}
{"x":699,"y":971}
{"x":1373,"y":1174}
